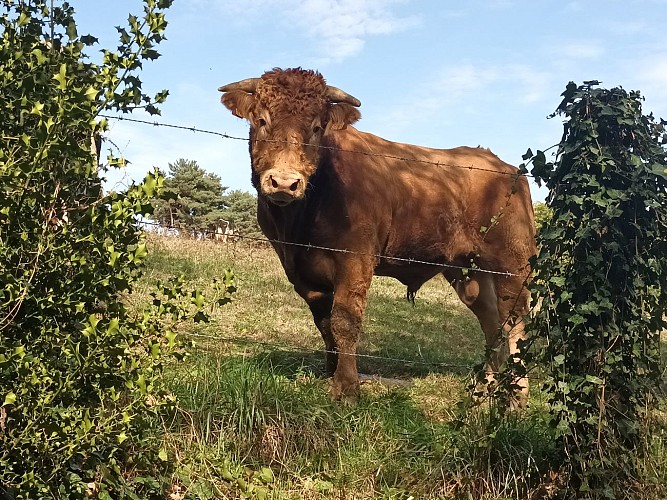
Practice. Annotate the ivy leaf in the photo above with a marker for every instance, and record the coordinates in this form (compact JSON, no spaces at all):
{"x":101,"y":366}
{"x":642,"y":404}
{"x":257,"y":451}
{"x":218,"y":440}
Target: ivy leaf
{"x":595,"y":380}
{"x":71,"y":30}
{"x":10,"y":398}
{"x":266,"y":475}
{"x":659,"y":170}
{"x":91,"y":93}
{"x":198,"y":299}
{"x":89,"y":40}
{"x":569,"y":92}
{"x":141,"y":252}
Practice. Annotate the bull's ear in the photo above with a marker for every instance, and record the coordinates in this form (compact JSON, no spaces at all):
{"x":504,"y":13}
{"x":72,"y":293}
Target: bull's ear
{"x":341,"y":115}
{"x":239,"y":102}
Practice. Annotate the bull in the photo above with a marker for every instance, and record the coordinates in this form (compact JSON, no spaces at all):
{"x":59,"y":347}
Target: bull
{"x":389,"y":209}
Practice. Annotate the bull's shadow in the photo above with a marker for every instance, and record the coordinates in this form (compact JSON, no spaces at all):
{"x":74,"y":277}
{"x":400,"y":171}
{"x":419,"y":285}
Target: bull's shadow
{"x":401,"y":340}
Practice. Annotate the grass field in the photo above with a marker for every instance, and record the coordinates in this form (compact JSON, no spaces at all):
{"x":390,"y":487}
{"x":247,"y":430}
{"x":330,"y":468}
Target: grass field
{"x":255,"y":420}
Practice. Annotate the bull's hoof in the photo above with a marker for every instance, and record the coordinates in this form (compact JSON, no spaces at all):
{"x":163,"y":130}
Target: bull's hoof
{"x":347,"y":392}
{"x":518,"y":400}
{"x":514,"y":400}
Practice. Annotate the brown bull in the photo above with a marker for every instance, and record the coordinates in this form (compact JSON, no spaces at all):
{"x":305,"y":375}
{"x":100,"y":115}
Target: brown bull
{"x":323,"y":183}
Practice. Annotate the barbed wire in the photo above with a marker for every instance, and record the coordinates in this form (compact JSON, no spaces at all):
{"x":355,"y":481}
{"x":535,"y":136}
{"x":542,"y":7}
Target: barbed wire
{"x":340,"y":250}
{"x":518,"y":173}
{"x":469,"y":368}
{"x":464,"y":368}
{"x":273,"y":345}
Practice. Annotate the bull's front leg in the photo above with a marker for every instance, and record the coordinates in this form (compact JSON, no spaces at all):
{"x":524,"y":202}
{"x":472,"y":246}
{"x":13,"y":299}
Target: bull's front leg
{"x":349,"y":304}
{"x":321,"y":304}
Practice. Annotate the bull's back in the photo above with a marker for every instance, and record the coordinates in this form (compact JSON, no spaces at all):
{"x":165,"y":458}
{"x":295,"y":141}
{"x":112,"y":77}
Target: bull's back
{"x":441,"y":204}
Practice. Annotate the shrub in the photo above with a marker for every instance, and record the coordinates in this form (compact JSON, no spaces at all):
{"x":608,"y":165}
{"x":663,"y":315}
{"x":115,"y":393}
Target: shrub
{"x":79,"y":378}
{"x":602,"y":279}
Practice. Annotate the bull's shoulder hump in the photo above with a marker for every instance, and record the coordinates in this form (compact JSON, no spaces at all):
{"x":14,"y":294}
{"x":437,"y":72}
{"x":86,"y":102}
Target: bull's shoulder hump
{"x":356,"y":141}
{"x":477,"y":156}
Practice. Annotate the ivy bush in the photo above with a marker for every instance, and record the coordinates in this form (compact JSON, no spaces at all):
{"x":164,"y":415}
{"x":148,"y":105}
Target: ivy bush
{"x":602,"y":280}
{"x":79,"y":377}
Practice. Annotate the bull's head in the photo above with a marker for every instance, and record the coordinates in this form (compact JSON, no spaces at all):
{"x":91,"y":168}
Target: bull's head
{"x":290,"y":113}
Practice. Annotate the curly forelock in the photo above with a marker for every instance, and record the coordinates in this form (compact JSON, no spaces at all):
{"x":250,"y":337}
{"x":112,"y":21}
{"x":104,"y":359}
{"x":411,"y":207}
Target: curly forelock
{"x":293,"y":91}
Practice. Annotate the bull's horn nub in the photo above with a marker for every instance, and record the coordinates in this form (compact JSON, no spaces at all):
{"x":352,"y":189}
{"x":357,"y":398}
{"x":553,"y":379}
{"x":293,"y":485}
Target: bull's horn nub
{"x":248,"y":85}
{"x":335,"y":94}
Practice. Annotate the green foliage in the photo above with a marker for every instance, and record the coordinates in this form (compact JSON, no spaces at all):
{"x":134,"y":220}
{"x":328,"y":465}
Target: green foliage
{"x":241,"y":211}
{"x":79,"y":377}
{"x":196,"y":201}
{"x":602,"y":279}
{"x":543,"y":215}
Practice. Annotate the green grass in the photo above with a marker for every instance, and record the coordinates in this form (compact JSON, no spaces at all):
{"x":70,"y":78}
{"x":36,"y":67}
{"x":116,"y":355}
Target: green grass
{"x":254,"y":417}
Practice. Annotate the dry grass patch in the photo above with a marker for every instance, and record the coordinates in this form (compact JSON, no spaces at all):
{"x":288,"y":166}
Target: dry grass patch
{"x":435,"y":334}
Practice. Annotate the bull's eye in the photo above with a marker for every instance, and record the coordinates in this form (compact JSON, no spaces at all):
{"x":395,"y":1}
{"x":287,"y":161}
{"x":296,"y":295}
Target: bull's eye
{"x":261,"y":122}
{"x":317,"y":129}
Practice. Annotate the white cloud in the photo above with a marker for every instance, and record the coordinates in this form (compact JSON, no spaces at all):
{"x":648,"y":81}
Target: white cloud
{"x":533,"y":84}
{"x":627,"y":27}
{"x":456,"y":82}
{"x":468,"y":87}
{"x":586,"y":49}
{"x":654,"y":73}
{"x":339,"y":28}
{"x":342,"y":26}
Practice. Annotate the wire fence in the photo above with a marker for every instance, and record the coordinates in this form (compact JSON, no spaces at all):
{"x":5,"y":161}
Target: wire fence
{"x":223,"y":135}
{"x":464,"y":269}
{"x":409,"y":261}
{"x":518,"y":173}
{"x":380,"y":256}
{"x":468,"y":369}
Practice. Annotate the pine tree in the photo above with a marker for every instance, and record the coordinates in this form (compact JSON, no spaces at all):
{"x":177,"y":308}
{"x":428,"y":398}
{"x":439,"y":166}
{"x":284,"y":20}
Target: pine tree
{"x":196,"y":200}
{"x":241,"y":211}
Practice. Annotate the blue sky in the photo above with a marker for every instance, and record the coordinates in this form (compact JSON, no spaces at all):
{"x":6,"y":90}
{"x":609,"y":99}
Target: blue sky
{"x":433,"y":72}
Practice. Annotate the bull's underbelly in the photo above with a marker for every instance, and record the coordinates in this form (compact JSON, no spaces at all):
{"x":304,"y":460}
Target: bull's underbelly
{"x":411,"y":275}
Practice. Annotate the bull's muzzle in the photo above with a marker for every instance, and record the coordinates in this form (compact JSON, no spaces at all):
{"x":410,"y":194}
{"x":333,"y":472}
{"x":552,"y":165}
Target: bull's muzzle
{"x":282,"y":187}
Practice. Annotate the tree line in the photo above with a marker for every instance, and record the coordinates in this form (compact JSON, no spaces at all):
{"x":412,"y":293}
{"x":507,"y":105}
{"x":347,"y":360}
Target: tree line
{"x":195,"y":201}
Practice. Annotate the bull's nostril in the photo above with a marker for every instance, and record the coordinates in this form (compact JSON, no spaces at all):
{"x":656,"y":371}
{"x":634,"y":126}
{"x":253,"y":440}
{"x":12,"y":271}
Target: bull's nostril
{"x":294,"y":185}
{"x":274,"y":183}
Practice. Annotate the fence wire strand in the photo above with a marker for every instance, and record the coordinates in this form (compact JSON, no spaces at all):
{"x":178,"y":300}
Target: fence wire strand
{"x":468,"y":368}
{"x":295,"y":348}
{"x":518,"y":173}
{"x":309,"y":246}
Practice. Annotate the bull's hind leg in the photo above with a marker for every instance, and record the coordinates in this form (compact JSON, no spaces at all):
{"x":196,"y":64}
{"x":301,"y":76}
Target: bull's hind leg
{"x":492,"y":302}
{"x":513,"y":305}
